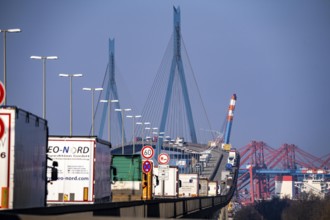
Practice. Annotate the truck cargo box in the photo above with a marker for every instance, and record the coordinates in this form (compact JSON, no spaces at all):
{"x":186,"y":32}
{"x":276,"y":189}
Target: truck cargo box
{"x":83,"y":170}
{"x":203,"y":186}
{"x":126,"y":177}
{"x":213,"y":188}
{"x":168,"y":181}
{"x":23,"y":145}
{"x":188,"y":185}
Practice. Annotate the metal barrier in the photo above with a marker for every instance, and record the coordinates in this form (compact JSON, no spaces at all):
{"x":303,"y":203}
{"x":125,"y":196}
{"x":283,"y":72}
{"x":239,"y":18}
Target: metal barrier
{"x":201,"y":207}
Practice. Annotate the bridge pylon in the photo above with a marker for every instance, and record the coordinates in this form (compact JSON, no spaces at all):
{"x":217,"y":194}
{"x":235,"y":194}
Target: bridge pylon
{"x":177,"y":69}
{"x":111,"y":93}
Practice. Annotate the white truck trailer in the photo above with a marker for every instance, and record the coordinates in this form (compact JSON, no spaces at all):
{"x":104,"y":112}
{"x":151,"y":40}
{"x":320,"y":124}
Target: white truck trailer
{"x":203,"y":186}
{"x":213,"y":188}
{"x":23,"y":159}
{"x":83,"y":170}
{"x":188,"y":185}
{"x":168,"y":181}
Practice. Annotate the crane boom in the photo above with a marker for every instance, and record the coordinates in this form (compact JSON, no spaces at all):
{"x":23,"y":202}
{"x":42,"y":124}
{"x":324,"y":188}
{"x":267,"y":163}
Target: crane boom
{"x":226,"y":145}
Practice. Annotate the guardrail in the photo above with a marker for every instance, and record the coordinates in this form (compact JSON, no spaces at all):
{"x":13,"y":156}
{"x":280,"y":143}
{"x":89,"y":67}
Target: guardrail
{"x":157,"y":208}
{"x":201,"y":207}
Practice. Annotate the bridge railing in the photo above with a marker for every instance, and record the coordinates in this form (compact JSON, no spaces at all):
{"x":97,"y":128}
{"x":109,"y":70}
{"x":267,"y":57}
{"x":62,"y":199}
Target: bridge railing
{"x":158,"y":208}
{"x":201,"y":207}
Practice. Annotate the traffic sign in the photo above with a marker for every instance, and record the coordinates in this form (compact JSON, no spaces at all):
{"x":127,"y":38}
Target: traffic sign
{"x":163,"y":171}
{"x":146,"y":166}
{"x":2,"y":93}
{"x":2,"y":128}
{"x":147,"y":152}
{"x":163,"y":158}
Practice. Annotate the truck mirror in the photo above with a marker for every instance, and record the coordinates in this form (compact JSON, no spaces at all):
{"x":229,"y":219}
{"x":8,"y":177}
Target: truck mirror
{"x":55,"y":164}
{"x":54,"y":174}
{"x":114,"y":171}
{"x":157,"y":180}
{"x":180,"y":183}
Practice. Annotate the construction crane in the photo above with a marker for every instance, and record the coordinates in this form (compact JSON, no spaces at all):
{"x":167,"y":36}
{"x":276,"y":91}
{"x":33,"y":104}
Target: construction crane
{"x":226,"y":145}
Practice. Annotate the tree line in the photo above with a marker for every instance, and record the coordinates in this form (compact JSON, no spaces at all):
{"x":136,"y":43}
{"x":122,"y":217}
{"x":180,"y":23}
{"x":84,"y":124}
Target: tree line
{"x":307,"y":206}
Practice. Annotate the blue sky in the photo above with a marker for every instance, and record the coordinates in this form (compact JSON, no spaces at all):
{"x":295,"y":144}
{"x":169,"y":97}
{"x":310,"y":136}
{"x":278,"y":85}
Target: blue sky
{"x":274,"y":54}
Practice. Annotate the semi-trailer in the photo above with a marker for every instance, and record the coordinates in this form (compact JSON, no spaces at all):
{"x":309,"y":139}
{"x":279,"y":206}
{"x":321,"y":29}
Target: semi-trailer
{"x":83,"y":170}
{"x":213,"y":188}
{"x":23,"y":159}
{"x":167,"y":181}
{"x":188,"y":185}
{"x":203,"y":186}
{"x":126,"y":177}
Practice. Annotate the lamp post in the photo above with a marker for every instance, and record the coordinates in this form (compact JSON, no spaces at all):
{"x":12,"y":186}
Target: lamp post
{"x":44,"y":58}
{"x":122,"y":110}
{"x":16,"y":30}
{"x":148,"y":137}
{"x":143,"y":123}
{"x":133,"y":133}
{"x":70,"y":77}
{"x":92,"y":90}
{"x":158,"y":144}
{"x":109,"y":101}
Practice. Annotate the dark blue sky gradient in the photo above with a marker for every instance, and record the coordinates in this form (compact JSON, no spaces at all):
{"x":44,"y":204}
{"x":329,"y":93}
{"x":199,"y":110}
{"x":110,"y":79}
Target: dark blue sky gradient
{"x":274,"y":54}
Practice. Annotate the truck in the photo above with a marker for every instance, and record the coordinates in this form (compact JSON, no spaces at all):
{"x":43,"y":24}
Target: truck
{"x":213,"y":188}
{"x":232,"y":158}
{"x":166,"y":184}
{"x":225,"y":175}
{"x":203,"y":186}
{"x":126,"y":177}
{"x":83,"y":170}
{"x":23,"y":159}
{"x":188,"y":185}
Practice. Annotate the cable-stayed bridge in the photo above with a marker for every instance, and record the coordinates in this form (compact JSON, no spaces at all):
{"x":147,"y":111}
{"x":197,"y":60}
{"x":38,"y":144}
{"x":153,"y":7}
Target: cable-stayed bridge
{"x":173,"y":120}
{"x":173,"y":108}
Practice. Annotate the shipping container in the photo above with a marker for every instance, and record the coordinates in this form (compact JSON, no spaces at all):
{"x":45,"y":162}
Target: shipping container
{"x":23,"y":159}
{"x":83,"y":170}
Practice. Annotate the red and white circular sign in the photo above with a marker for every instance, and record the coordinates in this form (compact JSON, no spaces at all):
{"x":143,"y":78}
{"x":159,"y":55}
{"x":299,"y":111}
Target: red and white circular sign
{"x":163,"y":158}
{"x":147,"y":152}
{"x":2,"y":128}
{"x":2,"y":93}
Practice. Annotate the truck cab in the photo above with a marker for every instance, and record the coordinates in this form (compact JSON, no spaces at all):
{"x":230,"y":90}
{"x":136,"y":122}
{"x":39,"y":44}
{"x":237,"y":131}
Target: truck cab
{"x":232,"y":158}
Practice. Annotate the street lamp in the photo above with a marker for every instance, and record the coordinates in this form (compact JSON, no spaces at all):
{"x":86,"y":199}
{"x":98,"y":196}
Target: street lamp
{"x":92,"y":90}
{"x":44,"y":58}
{"x":109,"y":113}
{"x":70,"y":76}
{"x":16,"y":30}
{"x":122,"y":110}
{"x":158,"y":144}
{"x":143,"y":123}
{"x":148,"y":137}
{"x":133,"y":133}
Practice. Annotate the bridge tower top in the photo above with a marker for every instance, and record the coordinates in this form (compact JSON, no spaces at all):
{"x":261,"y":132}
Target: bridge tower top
{"x":111,"y":92}
{"x":177,"y":70}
